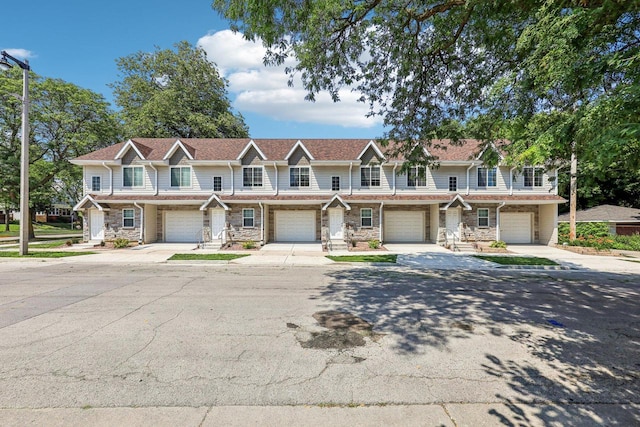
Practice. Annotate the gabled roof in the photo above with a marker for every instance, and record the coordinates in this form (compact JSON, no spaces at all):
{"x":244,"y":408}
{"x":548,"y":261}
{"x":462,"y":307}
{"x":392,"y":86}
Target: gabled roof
{"x":233,"y":149}
{"x":89,"y":202}
{"x":339,"y":199}
{"x":458,"y":198}
{"x":605,"y":213}
{"x":214,"y":197}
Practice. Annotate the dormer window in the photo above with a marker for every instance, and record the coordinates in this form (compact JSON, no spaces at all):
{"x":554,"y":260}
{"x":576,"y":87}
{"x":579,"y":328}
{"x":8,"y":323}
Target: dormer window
{"x":299,"y":177}
{"x":533,"y":177}
{"x":132,"y":176}
{"x":370,"y":176}
{"x":252,"y":176}
{"x":417,"y":176}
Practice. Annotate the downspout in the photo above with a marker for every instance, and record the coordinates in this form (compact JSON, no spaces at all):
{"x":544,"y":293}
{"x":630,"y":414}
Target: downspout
{"x":350,"y":179}
{"x":511,"y":180}
{"x":381,"y":222}
{"x":156,"y":178}
{"x":261,"y":223}
{"x":500,"y":206}
{"x":141,"y":221}
{"x":110,"y":178}
{"x":232,"y":187}
{"x":468,"y":169}
{"x":394,"y":179}
{"x":276,"y":169}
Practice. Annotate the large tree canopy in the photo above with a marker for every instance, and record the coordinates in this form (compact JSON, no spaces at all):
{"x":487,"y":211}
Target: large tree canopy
{"x":177,"y":93}
{"x":66,"y":121}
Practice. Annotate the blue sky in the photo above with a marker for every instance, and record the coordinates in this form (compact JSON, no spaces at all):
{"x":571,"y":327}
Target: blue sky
{"x":79,"y":41}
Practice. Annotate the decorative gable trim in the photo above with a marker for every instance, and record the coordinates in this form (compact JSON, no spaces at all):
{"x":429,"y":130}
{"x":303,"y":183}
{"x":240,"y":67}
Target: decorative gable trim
{"x":215,"y":198}
{"x":129,"y":145}
{"x":493,"y":147}
{"x":250,"y":145}
{"x":82,"y":204}
{"x":174,"y":148}
{"x":373,"y":145}
{"x":299,"y":144}
{"x":458,"y":198}
{"x":339,"y":199}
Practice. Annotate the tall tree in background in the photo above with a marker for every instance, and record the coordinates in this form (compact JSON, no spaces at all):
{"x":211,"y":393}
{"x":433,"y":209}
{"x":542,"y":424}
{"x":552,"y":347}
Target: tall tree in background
{"x":178,"y":93}
{"x":66,"y":121}
{"x":551,"y":75}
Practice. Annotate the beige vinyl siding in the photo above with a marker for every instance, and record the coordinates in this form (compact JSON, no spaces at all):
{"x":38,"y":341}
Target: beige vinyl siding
{"x":91,"y":171}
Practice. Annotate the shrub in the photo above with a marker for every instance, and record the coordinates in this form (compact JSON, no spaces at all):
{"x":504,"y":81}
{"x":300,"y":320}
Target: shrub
{"x":120,"y":243}
{"x":249,"y":244}
{"x":583,"y":229}
{"x":374,"y":244}
{"x":68,"y":243}
{"x":75,"y":241}
{"x":102,"y":243}
{"x":498,"y":244}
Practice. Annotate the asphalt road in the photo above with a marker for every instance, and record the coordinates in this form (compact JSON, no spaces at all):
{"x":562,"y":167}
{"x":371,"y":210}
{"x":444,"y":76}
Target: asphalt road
{"x":474,"y":348}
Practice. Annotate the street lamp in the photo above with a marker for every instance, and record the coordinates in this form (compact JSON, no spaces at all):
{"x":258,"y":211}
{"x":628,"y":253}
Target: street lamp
{"x":24,"y":160}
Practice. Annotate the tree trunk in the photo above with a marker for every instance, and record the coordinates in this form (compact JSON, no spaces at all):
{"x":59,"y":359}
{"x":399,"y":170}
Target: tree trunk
{"x":32,"y":234}
{"x":6,"y":218}
{"x":573,"y":192}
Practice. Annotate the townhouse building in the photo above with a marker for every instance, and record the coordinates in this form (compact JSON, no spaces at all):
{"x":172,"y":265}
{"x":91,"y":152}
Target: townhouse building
{"x":328,"y":191}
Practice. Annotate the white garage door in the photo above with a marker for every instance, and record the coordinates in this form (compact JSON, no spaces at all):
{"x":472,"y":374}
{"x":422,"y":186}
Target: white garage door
{"x":403,"y":226}
{"x":515,"y":227}
{"x":295,"y":226}
{"x":183,"y":226}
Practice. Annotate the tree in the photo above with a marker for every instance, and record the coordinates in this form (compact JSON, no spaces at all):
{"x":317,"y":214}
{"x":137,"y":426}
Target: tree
{"x":423,"y":65}
{"x":178,"y":93}
{"x":66,"y":121}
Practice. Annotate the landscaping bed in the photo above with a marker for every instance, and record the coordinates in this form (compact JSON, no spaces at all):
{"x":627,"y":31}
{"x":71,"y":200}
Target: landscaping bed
{"x":365,"y":247}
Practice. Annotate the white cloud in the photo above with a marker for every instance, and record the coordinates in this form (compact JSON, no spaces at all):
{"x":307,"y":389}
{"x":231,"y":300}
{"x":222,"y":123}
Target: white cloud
{"x":264,"y":90}
{"x":20,"y":53}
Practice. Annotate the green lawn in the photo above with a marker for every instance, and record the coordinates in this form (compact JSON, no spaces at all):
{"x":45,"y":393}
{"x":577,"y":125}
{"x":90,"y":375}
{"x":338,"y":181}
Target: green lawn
{"x":43,"y":254}
{"x":40,"y":229}
{"x":45,"y":245}
{"x":517,"y":260}
{"x":363,"y":258}
{"x":206,"y":257}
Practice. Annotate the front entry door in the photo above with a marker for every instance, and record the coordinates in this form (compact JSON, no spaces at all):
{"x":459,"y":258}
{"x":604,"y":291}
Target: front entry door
{"x":96,"y":224}
{"x":336,"y":219}
{"x":217,"y":224}
{"x":453,"y":223}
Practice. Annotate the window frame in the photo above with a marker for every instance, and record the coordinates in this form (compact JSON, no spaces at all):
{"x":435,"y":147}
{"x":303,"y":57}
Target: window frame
{"x":368,"y":181}
{"x":93,"y":183}
{"x":214,"y":183}
{"x":125,"y":217}
{"x":455,"y":180}
{"x":252,"y":218}
{"x":334,"y":180}
{"x":486,"y":174}
{"x":418,"y":180}
{"x":297,"y":170}
{"x":181,"y":176}
{"x":536,"y":177}
{"x":482,"y":217}
{"x":363,"y":217}
{"x":133,"y":176}
{"x":254,"y":175}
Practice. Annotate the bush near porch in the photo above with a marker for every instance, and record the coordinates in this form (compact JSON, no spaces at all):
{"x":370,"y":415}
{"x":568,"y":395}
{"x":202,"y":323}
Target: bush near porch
{"x":596,"y":235}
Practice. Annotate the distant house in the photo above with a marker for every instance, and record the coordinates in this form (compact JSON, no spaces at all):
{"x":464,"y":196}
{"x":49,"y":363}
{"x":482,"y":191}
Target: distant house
{"x":621,"y":220}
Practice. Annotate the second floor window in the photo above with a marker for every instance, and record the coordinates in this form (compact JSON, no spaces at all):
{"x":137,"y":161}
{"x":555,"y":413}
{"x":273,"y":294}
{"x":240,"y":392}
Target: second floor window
{"x":95,"y":183}
{"x":335,"y":183}
{"x":370,"y":176}
{"x":417,"y":177}
{"x":487,"y":177}
{"x":181,"y":177}
{"x":299,"y":177}
{"x":533,"y":177}
{"x":453,"y":183}
{"x":252,"y":177}
{"x":132,"y":176}
{"x":217,"y":183}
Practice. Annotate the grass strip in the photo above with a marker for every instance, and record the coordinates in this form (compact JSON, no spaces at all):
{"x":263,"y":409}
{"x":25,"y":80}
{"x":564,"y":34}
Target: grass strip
{"x":206,"y":257}
{"x":43,"y":254}
{"x":517,"y":260}
{"x":363,"y":258}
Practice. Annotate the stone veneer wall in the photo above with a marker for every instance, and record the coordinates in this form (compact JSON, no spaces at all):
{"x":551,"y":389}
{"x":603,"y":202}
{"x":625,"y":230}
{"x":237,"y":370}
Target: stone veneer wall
{"x":113,"y":228}
{"x":238,"y":233}
{"x":352,"y":221}
{"x":272,"y":218}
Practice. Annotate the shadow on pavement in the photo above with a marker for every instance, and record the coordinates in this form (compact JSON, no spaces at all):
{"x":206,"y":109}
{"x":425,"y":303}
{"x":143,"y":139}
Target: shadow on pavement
{"x":582,"y":327}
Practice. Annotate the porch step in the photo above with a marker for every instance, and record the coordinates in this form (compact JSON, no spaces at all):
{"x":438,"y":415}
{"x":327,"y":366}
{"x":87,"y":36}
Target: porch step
{"x":465,"y":247}
{"x":338,"y":245}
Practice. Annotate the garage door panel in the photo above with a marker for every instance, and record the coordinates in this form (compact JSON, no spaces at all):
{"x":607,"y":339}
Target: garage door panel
{"x":404,"y":226}
{"x":295,"y":226}
{"x":515,"y":227}
{"x":183,"y":226}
